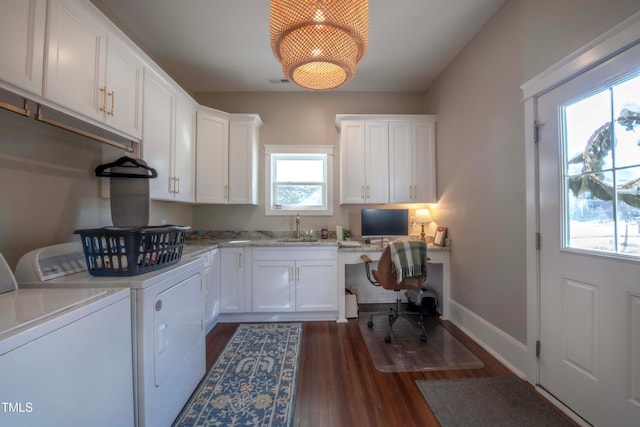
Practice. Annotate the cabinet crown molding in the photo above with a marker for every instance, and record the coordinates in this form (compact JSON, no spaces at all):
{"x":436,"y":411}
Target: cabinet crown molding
{"x":385,"y":117}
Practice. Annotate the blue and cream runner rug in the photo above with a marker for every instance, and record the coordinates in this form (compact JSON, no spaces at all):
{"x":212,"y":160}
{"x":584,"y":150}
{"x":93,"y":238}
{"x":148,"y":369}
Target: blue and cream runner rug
{"x":253,"y":382}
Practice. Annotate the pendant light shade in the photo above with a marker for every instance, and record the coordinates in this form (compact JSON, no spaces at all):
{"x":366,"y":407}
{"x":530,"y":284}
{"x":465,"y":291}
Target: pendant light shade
{"x":319,"y":42}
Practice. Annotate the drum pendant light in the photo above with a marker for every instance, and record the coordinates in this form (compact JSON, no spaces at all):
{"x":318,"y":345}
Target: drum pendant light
{"x":319,"y":42}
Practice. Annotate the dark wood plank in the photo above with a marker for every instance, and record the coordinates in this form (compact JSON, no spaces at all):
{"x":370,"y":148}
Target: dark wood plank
{"x":338,"y":384}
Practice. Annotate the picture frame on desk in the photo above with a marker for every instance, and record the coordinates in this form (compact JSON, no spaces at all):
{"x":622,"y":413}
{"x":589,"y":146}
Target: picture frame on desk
{"x":438,"y":238}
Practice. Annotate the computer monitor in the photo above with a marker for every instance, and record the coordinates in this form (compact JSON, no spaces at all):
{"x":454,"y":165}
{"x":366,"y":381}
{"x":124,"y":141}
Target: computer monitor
{"x":384,"y":222}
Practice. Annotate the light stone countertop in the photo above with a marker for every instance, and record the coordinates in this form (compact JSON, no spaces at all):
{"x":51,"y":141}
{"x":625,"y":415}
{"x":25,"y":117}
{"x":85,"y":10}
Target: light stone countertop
{"x":196,"y":246}
{"x":193,"y":247}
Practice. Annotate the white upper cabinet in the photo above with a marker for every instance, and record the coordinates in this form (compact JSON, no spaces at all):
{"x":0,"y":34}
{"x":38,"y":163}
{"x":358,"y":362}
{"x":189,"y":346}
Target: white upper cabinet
{"x":212,"y":161}
{"x":123,"y":83}
{"x":158,"y":134}
{"x":387,"y":159}
{"x":412,"y":170}
{"x":227,"y":158}
{"x":90,"y":71}
{"x":364,"y":166}
{"x":243,"y":160}
{"x":22,"y":25}
{"x":184,"y":151}
{"x":168,"y":139}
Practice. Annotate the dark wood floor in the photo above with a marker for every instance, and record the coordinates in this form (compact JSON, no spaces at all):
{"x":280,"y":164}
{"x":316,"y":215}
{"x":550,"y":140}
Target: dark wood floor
{"x":338,"y":384}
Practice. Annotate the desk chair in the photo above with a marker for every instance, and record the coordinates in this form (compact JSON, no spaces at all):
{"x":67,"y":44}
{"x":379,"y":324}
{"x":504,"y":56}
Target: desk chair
{"x":385,"y":276}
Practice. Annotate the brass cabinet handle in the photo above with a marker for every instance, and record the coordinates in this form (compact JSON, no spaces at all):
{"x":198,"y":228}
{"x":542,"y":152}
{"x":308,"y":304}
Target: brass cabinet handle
{"x":104,"y":99}
{"x":112,"y":94}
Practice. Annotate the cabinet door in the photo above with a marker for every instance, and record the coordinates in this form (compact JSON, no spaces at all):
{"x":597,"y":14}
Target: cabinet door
{"x":75,"y":60}
{"x":273,"y":286}
{"x":212,"y":288}
{"x":316,"y":285}
{"x":401,"y":162}
{"x":157,"y":135}
{"x":184,"y":152}
{"x":377,"y":162}
{"x":214,"y":284}
{"x":212,"y":159}
{"x":124,"y":73}
{"x":352,"y":162}
{"x":232,"y":280}
{"x":243,"y":155}
{"x":22,"y":24}
{"x":412,"y":163}
{"x":425,"y":166}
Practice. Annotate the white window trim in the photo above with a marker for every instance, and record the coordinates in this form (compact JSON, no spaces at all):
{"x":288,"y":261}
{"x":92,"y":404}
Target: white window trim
{"x":298,"y":149}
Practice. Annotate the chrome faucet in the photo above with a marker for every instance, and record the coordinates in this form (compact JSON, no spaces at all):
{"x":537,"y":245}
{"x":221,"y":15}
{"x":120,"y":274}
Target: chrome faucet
{"x":297,"y":235}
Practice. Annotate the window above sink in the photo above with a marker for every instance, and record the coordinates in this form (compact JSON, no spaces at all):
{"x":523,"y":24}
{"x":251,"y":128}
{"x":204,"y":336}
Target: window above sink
{"x":298,"y":180}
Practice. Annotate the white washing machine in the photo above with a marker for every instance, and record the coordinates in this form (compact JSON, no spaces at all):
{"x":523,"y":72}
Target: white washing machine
{"x":65,"y":356}
{"x":167,"y":308}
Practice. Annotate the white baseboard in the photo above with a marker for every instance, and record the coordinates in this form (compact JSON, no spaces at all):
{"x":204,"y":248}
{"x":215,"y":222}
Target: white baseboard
{"x":509,"y":351}
{"x":277,"y":317}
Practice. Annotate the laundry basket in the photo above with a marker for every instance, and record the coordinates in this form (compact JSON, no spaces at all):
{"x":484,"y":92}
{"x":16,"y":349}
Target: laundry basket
{"x":129,"y":251}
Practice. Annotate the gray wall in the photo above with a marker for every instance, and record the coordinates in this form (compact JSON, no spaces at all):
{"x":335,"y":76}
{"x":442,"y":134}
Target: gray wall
{"x":48,"y":187}
{"x":297,"y":118}
{"x":480,"y":137}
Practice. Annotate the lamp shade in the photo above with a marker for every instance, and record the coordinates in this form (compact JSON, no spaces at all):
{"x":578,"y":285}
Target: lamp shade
{"x":319,"y":42}
{"x":423,"y":216}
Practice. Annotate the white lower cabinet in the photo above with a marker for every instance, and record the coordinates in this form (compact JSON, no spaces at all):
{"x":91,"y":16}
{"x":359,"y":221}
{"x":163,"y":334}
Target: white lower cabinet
{"x":273,"y":287}
{"x":232,"y":295}
{"x":294,"y":279}
{"x":316,"y":285}
{"x":211,"y":288}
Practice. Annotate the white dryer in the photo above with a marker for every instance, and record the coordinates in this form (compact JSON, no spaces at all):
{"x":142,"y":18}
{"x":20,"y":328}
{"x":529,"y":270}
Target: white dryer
{"x":167,"y":324}
{"x":65,"y":356}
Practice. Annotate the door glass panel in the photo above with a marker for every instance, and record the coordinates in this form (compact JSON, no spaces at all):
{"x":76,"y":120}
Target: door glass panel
{"x":590,"y":224}
{"x":588,"y":133}
{"x":626,"y":107}
{"x":602,"y":170}
{"x":629,"y":211}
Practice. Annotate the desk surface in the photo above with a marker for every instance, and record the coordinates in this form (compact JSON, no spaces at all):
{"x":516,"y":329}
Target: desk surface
{"x":377,"y":248}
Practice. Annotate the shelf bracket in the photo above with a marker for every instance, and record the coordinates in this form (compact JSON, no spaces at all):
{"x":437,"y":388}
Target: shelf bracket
{"x":24,"y":111}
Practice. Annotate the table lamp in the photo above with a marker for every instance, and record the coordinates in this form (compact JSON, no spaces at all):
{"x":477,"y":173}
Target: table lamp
{"x":423,"y":216}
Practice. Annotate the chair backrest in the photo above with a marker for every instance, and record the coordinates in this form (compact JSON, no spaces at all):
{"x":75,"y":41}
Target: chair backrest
{"x":387,"y":277}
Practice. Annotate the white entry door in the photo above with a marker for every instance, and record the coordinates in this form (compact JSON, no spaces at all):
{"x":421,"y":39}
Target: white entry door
{"x":589,"y":198}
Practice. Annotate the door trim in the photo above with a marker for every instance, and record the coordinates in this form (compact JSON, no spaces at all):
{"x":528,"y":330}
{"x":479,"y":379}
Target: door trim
{"x":619,"y":38}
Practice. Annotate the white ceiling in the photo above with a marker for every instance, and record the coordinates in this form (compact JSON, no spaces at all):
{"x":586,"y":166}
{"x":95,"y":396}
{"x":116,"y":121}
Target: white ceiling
{"x":223,"y":45}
